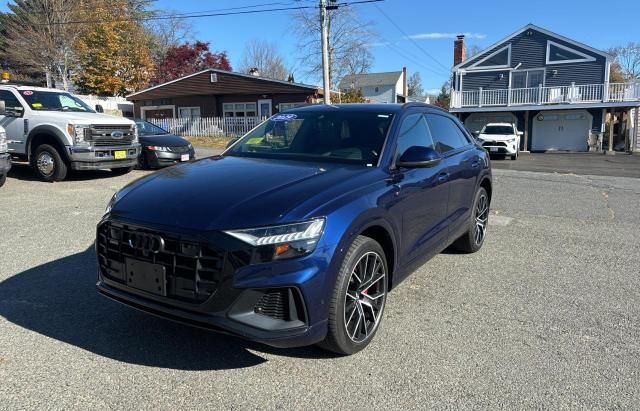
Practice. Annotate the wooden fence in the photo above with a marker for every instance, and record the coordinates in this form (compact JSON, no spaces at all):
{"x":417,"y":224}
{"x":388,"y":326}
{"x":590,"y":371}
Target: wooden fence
{"x":208,"y":126}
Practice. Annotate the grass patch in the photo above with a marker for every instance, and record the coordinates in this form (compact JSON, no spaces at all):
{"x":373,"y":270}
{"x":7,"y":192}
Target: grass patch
{"x":211,"y":142}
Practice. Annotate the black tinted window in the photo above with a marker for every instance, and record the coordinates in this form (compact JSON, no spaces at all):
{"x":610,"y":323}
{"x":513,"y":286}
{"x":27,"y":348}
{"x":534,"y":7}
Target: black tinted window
{"x":413,"y":132}
{"x":446,"y":134}
{"x":10,"y":100}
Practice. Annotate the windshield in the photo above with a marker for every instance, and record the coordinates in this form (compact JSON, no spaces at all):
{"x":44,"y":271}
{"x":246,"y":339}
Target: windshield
{"x":337,"y":136}
{"x":54,"y":101}
{"x":497,"y":130}
{"x":148,"y":129}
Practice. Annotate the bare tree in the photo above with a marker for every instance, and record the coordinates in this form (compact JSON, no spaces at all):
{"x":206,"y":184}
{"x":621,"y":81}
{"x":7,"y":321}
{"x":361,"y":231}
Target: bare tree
{"x":628,"y":60}
{"x":167,"y":33}
{"x":38,"y":36}
{"x":474,"y":50}
{"x":414,"y":84}
{"x":264,"y":56}
{"x":349,"y":37}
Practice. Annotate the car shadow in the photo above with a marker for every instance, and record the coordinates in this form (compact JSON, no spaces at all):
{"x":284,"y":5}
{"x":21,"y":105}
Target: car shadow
{"x":58,"y":299}
{"x":23,"y":172}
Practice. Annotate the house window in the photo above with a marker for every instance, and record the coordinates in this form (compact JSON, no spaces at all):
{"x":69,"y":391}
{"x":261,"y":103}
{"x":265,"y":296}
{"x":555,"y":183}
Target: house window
{"x":289,"y":106}
{"x":239,"y":109}
{"x":527,"y":78}
{"x":189,"y":112}
{"x":559,"y":54}
{"x":498,"y":59}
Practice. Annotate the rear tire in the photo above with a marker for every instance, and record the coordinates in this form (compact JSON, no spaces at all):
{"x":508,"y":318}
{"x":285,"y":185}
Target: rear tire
{"x":473,"y":239}
{"x":3,"y":179}
{"x":48,"y":164}
{"x":121,"y":171}
{"x":359,"y":297}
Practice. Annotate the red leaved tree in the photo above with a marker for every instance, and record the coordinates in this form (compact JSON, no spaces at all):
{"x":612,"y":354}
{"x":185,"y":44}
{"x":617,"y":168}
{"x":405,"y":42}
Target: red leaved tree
{"x":188,"y":59}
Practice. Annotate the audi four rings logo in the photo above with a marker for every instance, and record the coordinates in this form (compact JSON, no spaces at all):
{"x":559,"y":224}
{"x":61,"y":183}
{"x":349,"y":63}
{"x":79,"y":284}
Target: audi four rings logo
{"x":117,"y":134}
{"x":147,"y":243}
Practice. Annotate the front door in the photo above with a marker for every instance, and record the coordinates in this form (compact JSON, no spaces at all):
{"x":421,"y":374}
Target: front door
{"x":264,"y":108}
{"x":422,"y":196}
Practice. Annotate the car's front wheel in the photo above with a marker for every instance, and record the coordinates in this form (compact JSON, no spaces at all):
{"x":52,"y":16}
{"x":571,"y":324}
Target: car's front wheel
{"x":3,"y":179}
{"x":359,"y":297}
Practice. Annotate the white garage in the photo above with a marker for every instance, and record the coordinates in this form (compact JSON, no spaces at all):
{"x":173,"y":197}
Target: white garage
{"x":561,"y":131}
{"x":476,"y":121}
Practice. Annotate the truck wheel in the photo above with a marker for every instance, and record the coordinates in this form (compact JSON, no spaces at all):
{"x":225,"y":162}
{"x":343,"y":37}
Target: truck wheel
{"x":359,"y":296}
{"x":3,"y":179}
{"x":48,"y":164}
{"x":121,"y":171}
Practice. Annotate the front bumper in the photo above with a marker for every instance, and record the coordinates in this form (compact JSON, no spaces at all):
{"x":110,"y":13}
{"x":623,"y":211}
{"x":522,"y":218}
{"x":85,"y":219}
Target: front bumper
{"x":5,"y":163}
{"x":98,"y":157}
{"x":209,"y":283}
{"x":499,"y":147}
{"x":157,"y":159}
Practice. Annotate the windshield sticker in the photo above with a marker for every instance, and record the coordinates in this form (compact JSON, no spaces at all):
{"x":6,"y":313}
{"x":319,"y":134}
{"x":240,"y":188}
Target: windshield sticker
{"x":255,"y":140}
{"x":36,"y":105}
{"x":27,"y":93}
{"x":284,"y":117}
{"x":383,"y":115}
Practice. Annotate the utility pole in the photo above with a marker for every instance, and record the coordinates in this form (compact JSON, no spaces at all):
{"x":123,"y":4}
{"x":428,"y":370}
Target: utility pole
{"x":325,"y":52}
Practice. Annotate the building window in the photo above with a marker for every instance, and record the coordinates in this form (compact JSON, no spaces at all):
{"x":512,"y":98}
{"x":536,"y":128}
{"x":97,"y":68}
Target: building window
{"x":498,"y":59}
{"x":189,"y":112}
{"x":239,"y":109}
{"x":559,"y":54}
{"x":289,"y":106}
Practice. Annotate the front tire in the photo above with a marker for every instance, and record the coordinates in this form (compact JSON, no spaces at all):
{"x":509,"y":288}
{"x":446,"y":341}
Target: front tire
{"x":48,"y":164}
{"x":359,"y":297}
{"x":3,"y":179}
{"x":514,"y":156}
{"x":472,"y":240}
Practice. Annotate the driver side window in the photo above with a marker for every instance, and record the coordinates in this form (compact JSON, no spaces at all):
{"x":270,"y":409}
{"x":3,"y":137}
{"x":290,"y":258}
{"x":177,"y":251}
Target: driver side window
{"x":10,"y":101}
{"x":413,"y":132}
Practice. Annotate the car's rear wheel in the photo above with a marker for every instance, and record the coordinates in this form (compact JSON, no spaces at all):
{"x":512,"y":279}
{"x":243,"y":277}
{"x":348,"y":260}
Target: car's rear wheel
{"x":48,"y":163}
{"x":3,"y":179}
{"x":359,"y":297}
{"x":472,"y":240}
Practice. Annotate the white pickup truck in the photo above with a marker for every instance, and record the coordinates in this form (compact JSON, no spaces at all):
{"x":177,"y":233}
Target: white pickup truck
{"x":5,"y":158}
{"x":55,"y":131}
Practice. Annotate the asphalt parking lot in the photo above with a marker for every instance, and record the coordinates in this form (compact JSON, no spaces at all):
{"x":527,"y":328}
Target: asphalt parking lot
{"x":546,"y":315}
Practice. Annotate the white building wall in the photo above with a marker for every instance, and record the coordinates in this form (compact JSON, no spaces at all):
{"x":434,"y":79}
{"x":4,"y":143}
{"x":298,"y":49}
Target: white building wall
{"x":384,"y":94}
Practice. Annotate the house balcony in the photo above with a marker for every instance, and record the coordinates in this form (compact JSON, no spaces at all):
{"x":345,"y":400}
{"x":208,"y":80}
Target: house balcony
{"x":592,"y":95}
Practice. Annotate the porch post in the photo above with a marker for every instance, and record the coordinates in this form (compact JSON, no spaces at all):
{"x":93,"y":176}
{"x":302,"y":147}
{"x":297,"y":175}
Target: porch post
{"x":526,"y":131}
{"x":480,"y":97}
{"x":611,"y":122}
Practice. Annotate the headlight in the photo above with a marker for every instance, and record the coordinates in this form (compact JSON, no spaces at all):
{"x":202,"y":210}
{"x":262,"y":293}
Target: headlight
{"x":3,"y":142}
{"x":77,"y":132}
{"x":135,"y":133}
{"x":283,"y":241}
{"x":111,"y":203}
{"x":158,"y":148}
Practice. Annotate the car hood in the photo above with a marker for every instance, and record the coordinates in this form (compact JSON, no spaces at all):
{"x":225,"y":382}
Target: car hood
{"x":234,"y":192}
{"x":497,"y":137}
{"x":163,"y":140}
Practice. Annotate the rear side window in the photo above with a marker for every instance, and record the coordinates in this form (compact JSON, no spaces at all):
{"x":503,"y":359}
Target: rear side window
{"x":10,"y":100}
{"x":413,"y":132}
{"x":446,"y":134}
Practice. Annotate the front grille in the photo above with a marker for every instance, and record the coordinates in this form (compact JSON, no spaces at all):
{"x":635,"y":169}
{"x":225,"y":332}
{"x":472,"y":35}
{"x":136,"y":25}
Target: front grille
{"x":281,"y":304}
{"x":102,"y":135}
{"x":494,"y":144}
{"x":193,"y":269}
{"x":179,"y":149}
{"x":103,"y":142}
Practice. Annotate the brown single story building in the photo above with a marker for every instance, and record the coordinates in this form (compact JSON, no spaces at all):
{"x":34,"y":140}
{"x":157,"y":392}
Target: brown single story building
{"x":219,"y":93}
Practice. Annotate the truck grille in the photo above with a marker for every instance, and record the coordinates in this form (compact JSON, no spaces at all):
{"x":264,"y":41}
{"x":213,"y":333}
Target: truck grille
{"x":193,"y":269}
{"x":102,"y":135}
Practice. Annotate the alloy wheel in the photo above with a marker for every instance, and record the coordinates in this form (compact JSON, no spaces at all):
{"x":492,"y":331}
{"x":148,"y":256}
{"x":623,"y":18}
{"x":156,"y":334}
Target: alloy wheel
{"x":482,"y":218}
{"x":45,"y":163}
{"x":365,"y":297}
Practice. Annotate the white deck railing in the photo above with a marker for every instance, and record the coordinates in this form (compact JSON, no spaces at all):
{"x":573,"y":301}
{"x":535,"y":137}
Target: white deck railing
{"x":576,"y":93}
{"x":208,"y":126}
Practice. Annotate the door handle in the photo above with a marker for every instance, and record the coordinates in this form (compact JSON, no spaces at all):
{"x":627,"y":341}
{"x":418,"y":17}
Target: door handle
{"x":442,"y":177}
{"x":475,"y":164}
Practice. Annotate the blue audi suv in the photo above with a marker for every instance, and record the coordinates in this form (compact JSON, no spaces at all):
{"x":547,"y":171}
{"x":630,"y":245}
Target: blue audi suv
{"x":296,"y":233}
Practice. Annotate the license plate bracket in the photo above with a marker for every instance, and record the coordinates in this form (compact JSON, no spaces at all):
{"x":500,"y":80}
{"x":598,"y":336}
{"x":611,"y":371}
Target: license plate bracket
{"x":120,"y":154}
{"x":493,"y":149}
{"x":145,"y":276}
{"x":184,"y":157}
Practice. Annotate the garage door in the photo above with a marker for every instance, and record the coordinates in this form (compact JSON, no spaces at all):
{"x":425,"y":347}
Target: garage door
{"x":476,"y":121}
{"x":561,"y":131}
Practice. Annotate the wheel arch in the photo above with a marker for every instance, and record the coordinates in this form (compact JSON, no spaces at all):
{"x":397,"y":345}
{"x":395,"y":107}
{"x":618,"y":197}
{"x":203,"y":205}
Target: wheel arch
{"x":47,"y":134}
{"x":487,"y":185}
{"x":382,"y":236}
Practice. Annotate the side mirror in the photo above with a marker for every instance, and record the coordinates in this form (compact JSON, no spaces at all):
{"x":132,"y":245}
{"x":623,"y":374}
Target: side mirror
{"x":520,"y":133}
{"x":419,"y":157}
{"x":2,"y":108}
{"x":99,"y":108}
{"x":476,"y":133}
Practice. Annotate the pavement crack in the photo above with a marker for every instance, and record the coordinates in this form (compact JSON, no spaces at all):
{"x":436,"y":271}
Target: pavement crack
{"x":612,"y":213}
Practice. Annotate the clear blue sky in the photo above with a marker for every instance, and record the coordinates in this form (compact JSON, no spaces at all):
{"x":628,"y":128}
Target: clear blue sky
{"x":434,"y":23}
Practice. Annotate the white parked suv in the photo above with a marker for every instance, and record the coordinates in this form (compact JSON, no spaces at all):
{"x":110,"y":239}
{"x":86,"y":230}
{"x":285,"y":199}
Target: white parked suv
{"x":55,"y":131}
{"x":501,"y":138}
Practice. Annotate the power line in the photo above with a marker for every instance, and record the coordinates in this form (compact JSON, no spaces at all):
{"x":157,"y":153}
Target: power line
{"x":412,"y":40}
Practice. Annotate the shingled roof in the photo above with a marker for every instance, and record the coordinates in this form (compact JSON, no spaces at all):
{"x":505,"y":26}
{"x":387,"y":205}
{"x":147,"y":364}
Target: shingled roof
{"x":370,"y":79}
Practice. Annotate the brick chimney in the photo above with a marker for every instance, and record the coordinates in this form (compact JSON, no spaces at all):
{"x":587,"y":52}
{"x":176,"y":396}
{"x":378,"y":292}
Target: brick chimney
{"x":459,"y":50}
{"x":405,"y":84}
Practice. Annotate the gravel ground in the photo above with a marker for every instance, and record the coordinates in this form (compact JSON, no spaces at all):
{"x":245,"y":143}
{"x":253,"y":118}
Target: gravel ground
{"x":546,"y":315}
